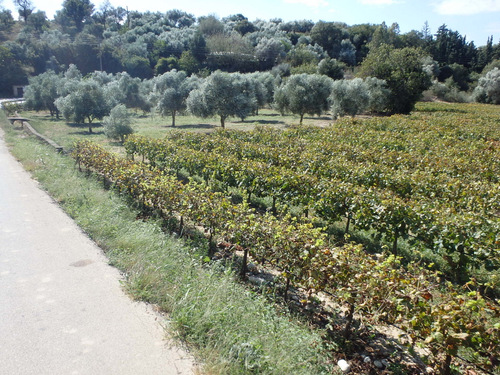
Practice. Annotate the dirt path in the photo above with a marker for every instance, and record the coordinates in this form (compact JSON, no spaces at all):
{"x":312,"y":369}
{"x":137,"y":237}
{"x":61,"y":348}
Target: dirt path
{"x":62,"y":310}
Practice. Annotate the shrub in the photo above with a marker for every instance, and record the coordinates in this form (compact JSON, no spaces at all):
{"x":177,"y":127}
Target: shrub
{"x":117,"y":124}
{"x":488,"y":88}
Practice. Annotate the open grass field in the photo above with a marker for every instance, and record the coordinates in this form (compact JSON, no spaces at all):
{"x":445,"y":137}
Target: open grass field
{"x":156,"y":126}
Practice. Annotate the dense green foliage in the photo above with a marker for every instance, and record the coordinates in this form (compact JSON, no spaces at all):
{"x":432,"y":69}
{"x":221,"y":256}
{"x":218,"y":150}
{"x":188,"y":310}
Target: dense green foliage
{"x":171,"y":91}
{"x":402,"y":69}
{"x":488,"y":88}
{"x":352,"y":97}
{"x":223,"y":95}
{"x":85,"y":102}
{"x":143,"y":44}
{"x":303,"y":94}
{"x":118,"y":124}
{"x":41,"y":93}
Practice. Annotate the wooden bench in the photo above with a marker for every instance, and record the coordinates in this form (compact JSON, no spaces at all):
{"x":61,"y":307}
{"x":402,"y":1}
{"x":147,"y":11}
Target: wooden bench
{"x":14,"y":119}
{"x":26,"y":125}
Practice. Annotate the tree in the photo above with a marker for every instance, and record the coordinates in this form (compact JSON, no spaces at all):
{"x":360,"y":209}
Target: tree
{"x":492,"y":65}
{"x":303,"y":93}
{"x":263,"y":87}
{"x":130,"y":88}
{"x":188,"y":63}
{"x":349,"y":97}
{"x":11,"y":73}
{"x":178,"y":18}
{"x":77,"y":11}
{"x":171,"y":91}
{"x":302,"y":26}
{"x":86,"y":52}
{"x":352,"y":97}
{"x":379,"y":94}
{"x":385,"y":35}
{"x":303,"y":54}
{"x":6,"y":20}
{"x":166,"y":64}
{"x":450,"y":47}
{"x":402,"y":70}
{"x":243,"y":26}
{"x":329,"y":35}
{"x":347,"y":52}
{"x":37,"y":22}
{"x":109,"y":16}
{"x":331,"y":68}
{"x":224,"y":95}
{"x":25,"y":8}
{"x":41,"y":93}
{"x":86,"y":101}
{"x":269,"y":51}
{"x":118,"y":124}
{"x":231,"y":52}
{"x":210,"y":25}
{"x":138,"y":66}
{"x":198,"y":46}
{"x":485,"y":54}
{"x":488,"y":88}
{"x":360,"y":36}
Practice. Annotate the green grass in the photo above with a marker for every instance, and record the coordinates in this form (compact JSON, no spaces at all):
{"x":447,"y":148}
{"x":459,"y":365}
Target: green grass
{"x":156,"y":126}
{"x":231,"y":329}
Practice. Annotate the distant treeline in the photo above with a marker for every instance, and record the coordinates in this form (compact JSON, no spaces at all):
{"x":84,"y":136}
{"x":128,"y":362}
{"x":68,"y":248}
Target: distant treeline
{"x":113,"y":39}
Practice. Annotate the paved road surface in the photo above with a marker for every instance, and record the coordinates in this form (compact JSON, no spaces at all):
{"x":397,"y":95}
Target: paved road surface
{"x":62,"y":310}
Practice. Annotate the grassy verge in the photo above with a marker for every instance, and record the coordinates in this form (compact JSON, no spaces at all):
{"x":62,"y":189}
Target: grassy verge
{"x":231,"y":330}
{"x":157,"y":127}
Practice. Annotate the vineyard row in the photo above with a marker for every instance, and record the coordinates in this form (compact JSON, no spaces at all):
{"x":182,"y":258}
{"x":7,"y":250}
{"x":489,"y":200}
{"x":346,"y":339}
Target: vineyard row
{"x":445,"y":317}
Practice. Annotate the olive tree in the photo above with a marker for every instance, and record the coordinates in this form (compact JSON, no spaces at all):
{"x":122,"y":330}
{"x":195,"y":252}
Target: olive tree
{"x":488,"y":88}
{"x":6,"y":21}
{"x":171,"y":91}
{"x":349,"y":97}
{"x":41,"y":93}
{"x":224,"y":95}
{"x":86,"y":102}
{"x":331,"y":68}
{"x":124,"y":89}
{"x":269,"y":51}
{"x":303,"y":94}
{"x":25,"y":8}
{"x":379,"y":94}
{"x":118,"y":124}
{"x":352,"y":97}
{"x":263,"y":86}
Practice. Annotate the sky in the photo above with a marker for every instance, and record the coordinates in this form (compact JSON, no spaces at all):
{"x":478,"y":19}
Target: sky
{"x":475,"y":19}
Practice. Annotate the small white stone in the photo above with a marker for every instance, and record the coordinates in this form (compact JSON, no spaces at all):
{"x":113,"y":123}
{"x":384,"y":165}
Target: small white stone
{"x":385,"y":362}
{"x":256,"y":280}
{"x":378,"y":364}
{"x":252,"y":267}
{"x":344,"y":366}
{"x":367,"y":359}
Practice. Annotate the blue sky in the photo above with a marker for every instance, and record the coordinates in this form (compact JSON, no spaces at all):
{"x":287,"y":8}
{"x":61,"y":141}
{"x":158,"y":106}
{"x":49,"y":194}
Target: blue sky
{"x":476,"y":19}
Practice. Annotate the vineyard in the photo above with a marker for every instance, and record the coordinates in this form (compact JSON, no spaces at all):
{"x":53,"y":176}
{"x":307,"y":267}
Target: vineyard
{"x":430,"y":180}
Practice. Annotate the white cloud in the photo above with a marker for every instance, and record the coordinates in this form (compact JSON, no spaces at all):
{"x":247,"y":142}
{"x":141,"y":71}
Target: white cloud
{"x":309,"y":3}
{"x":467,"y":7}
{"x":379,"y":2}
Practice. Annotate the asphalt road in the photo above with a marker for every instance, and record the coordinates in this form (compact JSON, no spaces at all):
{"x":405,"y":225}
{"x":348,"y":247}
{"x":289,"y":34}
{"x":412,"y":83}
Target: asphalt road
{"x":62,"y":310}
